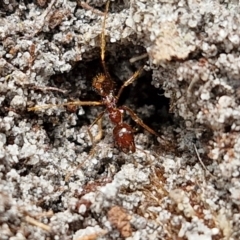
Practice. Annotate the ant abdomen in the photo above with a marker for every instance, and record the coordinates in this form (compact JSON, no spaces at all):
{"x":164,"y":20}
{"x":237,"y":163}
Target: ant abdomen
{"x":124,"y":138}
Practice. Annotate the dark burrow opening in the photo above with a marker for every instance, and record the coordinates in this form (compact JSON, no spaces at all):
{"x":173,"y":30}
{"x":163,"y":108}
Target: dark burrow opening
{"x":141,"y":96}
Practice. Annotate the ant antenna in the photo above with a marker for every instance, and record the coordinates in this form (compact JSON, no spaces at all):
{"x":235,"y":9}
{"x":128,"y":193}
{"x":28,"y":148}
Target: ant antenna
{"x":103,"y":39}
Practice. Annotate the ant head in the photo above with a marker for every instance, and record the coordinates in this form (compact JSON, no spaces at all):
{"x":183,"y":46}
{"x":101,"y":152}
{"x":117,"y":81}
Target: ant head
{"x":103,"y":85}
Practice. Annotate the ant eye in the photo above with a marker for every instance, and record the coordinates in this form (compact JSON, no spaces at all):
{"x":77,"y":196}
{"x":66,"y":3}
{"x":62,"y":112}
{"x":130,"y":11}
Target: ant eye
{"x":98,"y":86}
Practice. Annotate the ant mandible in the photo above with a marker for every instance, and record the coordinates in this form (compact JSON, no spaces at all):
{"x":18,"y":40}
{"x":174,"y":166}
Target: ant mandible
{"x":103,"y":84}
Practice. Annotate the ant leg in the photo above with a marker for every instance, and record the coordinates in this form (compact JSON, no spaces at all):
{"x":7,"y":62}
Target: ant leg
{"x":99,"y":121}
{"x":75,"y":103}
{"x":103,"y":39}
{"x":129,"y":81}
{"x":100,"y":132}
{"x":69,"y":174}
{"x":92,"y":151}
{"x":138,"y":120}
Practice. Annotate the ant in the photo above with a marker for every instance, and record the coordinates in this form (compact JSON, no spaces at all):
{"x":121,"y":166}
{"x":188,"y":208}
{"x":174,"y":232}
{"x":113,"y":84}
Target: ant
{"x":103,"y":84}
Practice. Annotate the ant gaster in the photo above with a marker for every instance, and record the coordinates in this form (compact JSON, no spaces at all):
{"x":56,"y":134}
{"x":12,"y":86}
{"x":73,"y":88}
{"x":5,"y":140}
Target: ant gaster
{"x":103,"y":84}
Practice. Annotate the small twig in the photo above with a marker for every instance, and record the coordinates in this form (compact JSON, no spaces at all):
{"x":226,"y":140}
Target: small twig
{"x":38,"y":224}
{"x":45,"y":214}
{"x":93,"y":236}
{"x":200,"y":160}
{"x":190,"y":87}
{"x":48,"y":89}
{"x":42,"y":18}
{"x":134,"y":59}
{"x":84,"y":5}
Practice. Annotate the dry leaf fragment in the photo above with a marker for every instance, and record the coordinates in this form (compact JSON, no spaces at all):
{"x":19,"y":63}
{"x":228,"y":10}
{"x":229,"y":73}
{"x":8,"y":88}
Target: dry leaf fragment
{"x":121,"y":220}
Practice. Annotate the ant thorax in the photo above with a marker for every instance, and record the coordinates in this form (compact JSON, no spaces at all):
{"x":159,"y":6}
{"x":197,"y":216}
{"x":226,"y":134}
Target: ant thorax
{"x":110,"y":100}
{"x":114,"y":113}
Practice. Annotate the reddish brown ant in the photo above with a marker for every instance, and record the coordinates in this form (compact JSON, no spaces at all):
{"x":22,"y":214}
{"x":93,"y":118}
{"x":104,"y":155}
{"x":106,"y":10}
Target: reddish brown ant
{"x":103,"y":84}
